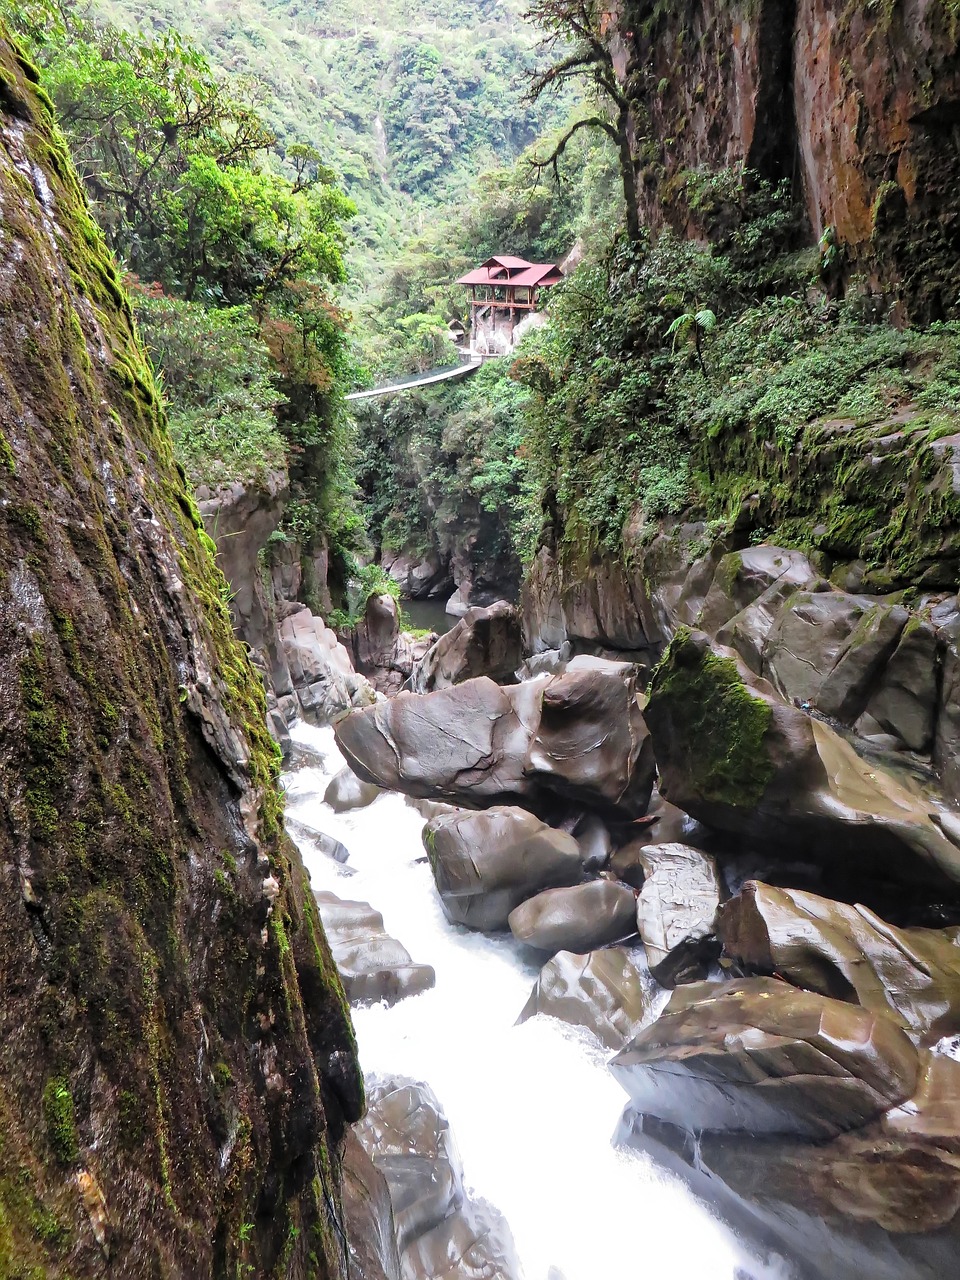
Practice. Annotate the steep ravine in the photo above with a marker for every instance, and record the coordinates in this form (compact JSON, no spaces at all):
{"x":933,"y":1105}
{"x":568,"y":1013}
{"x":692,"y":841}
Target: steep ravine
{"x":177,"y":1064}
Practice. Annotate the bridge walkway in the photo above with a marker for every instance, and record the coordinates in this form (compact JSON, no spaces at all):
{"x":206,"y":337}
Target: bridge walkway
{"x":445,"y":374}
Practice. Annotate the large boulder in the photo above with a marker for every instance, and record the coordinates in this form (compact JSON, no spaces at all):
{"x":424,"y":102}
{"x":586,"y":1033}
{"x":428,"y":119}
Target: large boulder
{"x":322,"y":673}
{"x":485,"y":642}
{"x":608,"y":992}
{"x":663,"y":823}
{"x":485,"y":864}
{"x":595,"y":841}
{"x":382,"y":652}
{"x":373,"y":965}
{"x":752,"y":584}
{"x":598,"y":606}
{"x":578,"y":736}
{"x":374,"y":637}
{"x":443,"y":1232}
{"x":592,"y":742}
{"x":735,"y":756}
{"x":758,"y":1056}
{"x":426,"y":578}
{"x":873,"y":1202}
{"x":828,"y":649}
{"x":577,"y":918}
{"x":467,"y":744}
{"x":346,"y":791}
{"x":676,"y":911}
{"x":904,"y":700}
{"x":848,"y":953}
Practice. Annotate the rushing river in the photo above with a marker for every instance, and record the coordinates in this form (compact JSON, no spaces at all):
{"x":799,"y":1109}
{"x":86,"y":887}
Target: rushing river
{"x":532,"y":1107}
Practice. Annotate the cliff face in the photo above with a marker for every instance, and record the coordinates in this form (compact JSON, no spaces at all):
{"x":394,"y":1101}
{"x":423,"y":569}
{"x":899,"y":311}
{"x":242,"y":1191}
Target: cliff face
{"x":856,"y":104}
{"x":176,"y":1059}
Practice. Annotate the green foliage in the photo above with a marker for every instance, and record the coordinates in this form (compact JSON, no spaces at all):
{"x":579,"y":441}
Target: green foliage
{"x":364,"y":582}
{"x":61,"y":1123}
{"x":404,"y":324}
{"x":216,"y":374}
{"x":447,"y":459}
{"x":190,"y":190}
{"x":172,"y":157}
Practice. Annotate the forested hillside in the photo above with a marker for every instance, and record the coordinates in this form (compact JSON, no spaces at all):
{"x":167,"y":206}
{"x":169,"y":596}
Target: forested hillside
{"x":407,"y":102}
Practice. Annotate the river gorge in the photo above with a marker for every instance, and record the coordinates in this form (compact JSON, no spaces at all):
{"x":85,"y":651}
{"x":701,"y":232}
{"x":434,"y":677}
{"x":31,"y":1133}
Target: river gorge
{"x":533,"y":1108}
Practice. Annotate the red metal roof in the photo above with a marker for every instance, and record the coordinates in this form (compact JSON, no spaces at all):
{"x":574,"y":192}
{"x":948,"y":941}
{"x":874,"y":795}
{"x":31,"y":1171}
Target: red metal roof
{"x":512,"y":264}
{"x":535,"y":275}
{"x":515,"y":272}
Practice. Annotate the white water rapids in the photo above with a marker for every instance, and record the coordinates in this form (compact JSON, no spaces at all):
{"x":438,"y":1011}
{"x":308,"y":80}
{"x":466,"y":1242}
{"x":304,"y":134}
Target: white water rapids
{"x":532,"y":1108}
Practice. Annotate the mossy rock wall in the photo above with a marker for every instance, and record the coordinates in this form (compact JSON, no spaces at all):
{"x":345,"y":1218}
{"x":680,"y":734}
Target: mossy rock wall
{"x":853,"y":103}
{"x":176,"y":1058}
{"x":883,"y":499}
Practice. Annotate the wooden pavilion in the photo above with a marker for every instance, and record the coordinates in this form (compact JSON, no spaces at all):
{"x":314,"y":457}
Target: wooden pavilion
{"x":505,"y":291}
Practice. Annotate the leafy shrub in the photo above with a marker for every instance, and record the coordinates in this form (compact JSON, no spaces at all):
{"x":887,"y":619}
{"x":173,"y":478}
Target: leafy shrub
{"x":216,"y":375}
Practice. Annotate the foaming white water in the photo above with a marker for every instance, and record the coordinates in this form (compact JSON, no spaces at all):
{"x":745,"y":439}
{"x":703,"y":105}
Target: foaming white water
{"x":532,"y":1107}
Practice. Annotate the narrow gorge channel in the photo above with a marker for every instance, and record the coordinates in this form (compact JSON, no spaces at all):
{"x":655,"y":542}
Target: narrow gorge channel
{"x":532,"y":1108}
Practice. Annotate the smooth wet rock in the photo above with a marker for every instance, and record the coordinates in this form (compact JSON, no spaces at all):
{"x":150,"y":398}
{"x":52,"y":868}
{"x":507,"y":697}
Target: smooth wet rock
{"x":604,"y":991}
{"x":863,"y":1205}
{"x":663,"y":823}
{"x":408,"y":1138}
{"x":676,"y":912}
{"x":594,"y":840}
{"x":467,"y":744}
{"x":576,"y":737}
{"x":735,"y":756}
{"x":485,"y":642}
{"x":578,"y":918}
{"x":328,"y":845}
{"x":475,"y":1244}
{"x":759,"y":578}
{"x":758,"y":1056}
{"x":848,"y":953}
{"x":429,"y":809}
{"x":592,"y":742}
{"x":373,"y":965}
{"x":321,"y":670}
{"x":548,"y":662}
{"x":346,"y":791}
{"x":443,"y":1233}
{"x":368,"y":1215}
{"x":904,"y":699}
{"x":485,"y":864}
{"x":829,"y":648}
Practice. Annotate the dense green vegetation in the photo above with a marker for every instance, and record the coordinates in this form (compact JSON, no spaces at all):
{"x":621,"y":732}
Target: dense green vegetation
{"x":442,"y":465}
{"x":668,"y":367}
{"x":406,"y":101}
{"x":235,"y":248}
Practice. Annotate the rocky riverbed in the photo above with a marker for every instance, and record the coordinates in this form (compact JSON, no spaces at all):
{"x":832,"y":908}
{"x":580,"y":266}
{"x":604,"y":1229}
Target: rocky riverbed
{"x":755,"y":904}
{"x":495,"y":1138}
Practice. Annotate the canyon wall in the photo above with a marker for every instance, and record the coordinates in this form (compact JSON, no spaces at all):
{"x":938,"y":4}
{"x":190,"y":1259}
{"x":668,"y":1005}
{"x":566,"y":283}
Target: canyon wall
{"x":857,"y":105}
{"x":177,"y":1064}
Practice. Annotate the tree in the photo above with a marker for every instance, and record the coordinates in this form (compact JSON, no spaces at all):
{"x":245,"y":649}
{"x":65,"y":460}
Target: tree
{"x":177,"y":163}
{"x":575,"y":35}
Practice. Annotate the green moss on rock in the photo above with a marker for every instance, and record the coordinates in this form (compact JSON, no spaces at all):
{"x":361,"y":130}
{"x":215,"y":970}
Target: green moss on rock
{"x":716,"y":726}
{"x":58,"y":1112}
{"x":137,"y":969}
